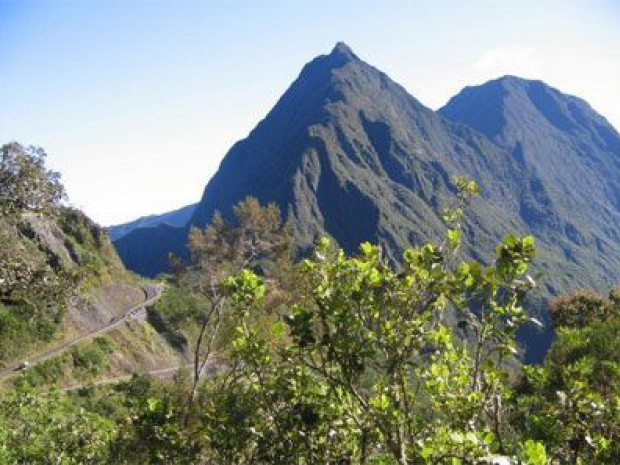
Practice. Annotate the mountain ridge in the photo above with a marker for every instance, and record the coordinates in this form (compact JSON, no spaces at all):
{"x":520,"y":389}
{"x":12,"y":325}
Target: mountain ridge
{"x":568,"y":150}
{"x":176,"y":218}
{"x":349,"y":153}
{"x":325,"y":92}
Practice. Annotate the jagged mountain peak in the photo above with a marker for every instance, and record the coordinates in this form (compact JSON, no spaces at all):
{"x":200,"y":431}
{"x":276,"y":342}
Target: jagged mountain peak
{"x":342,"y":49}
{"x":322,"y":67}
{"x":339,"y":56}
{"x":333,"y":75}
{"x":338,"y":90}
{"x":567,"y":152}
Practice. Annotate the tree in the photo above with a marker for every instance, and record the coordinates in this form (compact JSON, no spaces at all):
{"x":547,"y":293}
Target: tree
{"x":34,"y":285}
{"x":370,"y":369}
{"x":583,"y":307}
{"x":572,"y":403}
{"x":257,"y":239}
{"x":52,"y":429}
{"x":26,"y":184}
{"x":366,"y":369}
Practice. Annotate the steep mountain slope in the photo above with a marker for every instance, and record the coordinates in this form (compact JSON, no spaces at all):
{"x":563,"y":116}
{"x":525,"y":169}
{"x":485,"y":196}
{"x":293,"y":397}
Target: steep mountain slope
{"x":43,"y":260}
{"x":570,"y":156}
{"x":60,"y":279}
{"x":62,"y":286}
{"x":146,"y":250}
{"x":176,"y":218}
{"x":349,"y":153}
{"x":346,"y":151}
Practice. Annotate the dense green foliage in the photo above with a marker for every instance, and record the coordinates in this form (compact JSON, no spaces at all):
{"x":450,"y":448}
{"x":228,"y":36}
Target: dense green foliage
{"x":361,"y":370}
{"x":342,"y":360}
{"x":573,"y":400}
{"x":52,"y":429}
{"x":23,"y":325}
{"x":89,"y":247}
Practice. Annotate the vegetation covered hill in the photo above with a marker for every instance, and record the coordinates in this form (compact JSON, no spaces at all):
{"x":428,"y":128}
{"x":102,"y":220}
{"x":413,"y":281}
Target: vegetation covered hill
{"x":61,"y":278}
{"x":349,"y":153}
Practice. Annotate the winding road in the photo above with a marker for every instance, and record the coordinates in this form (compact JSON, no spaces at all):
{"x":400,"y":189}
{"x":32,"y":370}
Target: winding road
{"x":163,"y":373}
{"x":137,"y":312}
{"x":211,"y":368}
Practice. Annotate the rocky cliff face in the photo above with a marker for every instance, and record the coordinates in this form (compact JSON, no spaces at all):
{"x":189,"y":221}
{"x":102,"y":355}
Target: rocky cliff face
{"x":50,"y":264}
{"x":64,"y":247}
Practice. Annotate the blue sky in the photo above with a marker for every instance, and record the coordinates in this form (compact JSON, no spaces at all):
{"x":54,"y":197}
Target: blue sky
{"x":137,"y":101}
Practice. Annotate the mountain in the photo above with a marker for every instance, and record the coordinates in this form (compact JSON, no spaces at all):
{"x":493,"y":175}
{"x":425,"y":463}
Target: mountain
{"x":349,"y":153}
{"x":176,"y":218}
{"x":569,"y":155}
{"x":146,"y":250}
{"x":61,"y":280}
{"x":68,"y":307}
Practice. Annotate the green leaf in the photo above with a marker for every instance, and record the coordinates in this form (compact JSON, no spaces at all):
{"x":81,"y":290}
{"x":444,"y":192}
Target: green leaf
{"x":534,"y":453}
{"x":510,"y":240}
{"x":278,"y":329}
{"x":154,"y":404}
{"x":528,"y":241}
{"x":454,"y":237}
{"x":366,"y":248}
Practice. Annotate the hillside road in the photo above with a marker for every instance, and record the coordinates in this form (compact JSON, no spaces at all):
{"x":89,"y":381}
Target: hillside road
{"x":136,"y":312}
